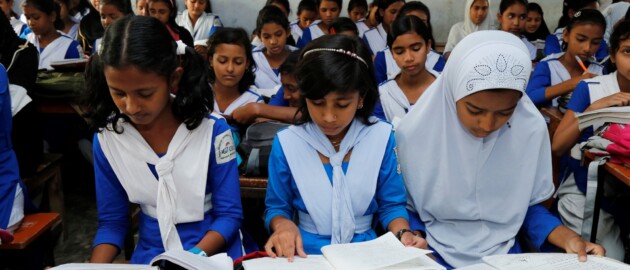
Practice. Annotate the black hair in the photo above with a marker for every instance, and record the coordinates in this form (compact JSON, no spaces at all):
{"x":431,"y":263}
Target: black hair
{"x":124,"y":6}
{"x":405,"y":24}
{"x":309,"y":5}
{"x":131,"y":42}
{"x":419,"y":6}
{"x":543,"y":31}
{"x":357,"y":4}
{"x":284,"y":3}
{"x":383,"y":5}
{"x":620,"y":34}
{"x":271,"y":14}
{"x":505,"y":4}
{"x":234,"y":36}
{"x":338,"y":2}
{"x":575,"y":6}
{"x":585,"y":16}
{"x":343,"y":24}
{"x":627,"y":14}
{"x":171,"y":15}
{"x":288,"y":66}
{"x":321,"y":72}
{"x":48,"y":7}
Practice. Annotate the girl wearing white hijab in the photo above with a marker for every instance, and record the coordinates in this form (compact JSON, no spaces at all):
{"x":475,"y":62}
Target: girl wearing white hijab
{"x":487,"y":156}
{"x":475,"y":19}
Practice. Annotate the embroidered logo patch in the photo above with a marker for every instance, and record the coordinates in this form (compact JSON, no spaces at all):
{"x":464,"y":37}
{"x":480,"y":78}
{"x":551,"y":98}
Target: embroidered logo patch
{"x":224,"y":147}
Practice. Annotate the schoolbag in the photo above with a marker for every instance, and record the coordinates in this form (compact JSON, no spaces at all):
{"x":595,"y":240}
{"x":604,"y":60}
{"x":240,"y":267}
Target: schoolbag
{"x":256,"y":147}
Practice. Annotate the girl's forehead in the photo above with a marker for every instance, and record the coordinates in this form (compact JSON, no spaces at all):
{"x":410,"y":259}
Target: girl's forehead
{"x":226,"y":49}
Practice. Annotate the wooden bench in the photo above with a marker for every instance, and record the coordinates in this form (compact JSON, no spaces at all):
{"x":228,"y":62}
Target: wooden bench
{"x":32,"y":245}
{"x":253,"y":187}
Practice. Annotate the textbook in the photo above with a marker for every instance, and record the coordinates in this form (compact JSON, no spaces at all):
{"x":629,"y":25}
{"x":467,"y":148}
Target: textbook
{"x":181,"y":258}
{"x":385,"y":252}
{"x":552,"y":261}
{"x":619,"y":115}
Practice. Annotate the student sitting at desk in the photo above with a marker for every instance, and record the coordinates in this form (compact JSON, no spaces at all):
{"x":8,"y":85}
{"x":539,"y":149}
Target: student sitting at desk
{"x":475,"y":157}
{"x":337,"y":170}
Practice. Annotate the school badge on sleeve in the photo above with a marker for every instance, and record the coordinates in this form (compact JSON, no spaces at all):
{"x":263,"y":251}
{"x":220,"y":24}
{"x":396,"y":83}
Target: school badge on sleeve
{"x":224,"y":147}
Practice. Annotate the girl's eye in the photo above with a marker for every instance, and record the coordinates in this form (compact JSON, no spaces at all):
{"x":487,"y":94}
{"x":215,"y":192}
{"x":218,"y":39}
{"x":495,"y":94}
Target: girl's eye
{"x":416,"y":48}
{"x":145,"y":95}
{"x":508,"y":113}
{"x":626,"y":51}
{"x":399,"y":51}
{"x":343,"y":105}
{"x":317,"y":102}
{"x":117,"y":93}
{"x":474,"y":112}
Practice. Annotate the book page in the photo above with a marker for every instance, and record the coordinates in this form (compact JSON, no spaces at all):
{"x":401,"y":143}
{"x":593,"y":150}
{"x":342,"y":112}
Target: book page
{"x":189,"y":260}
{"x":312,"y":262}
{"x":552,"y":261}
{"x":103,"y":266}
{"x":375,"y":254}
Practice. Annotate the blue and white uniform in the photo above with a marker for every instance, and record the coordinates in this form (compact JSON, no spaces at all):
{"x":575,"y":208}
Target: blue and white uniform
{"x":300,"y":183}
{"x":18,"y":26}
{"x":362,"y":27}
{"x":550,"y":72}
{"x":376,"y":39}
{"x":386,"y":68}
{"x":553,"y":45}
{"x":267,"y":78}
{"x":199,"y":165}
{"x":205,"y":26}
{"x":310,"y":34}
{"x":530,"y":47}
{"x":296,"y":31}
{"x":392,"y":104}
{"x":248,"y":96}
{"x":74,"y":31}
{"x":278,"y":98}
{"x":61,"y":48}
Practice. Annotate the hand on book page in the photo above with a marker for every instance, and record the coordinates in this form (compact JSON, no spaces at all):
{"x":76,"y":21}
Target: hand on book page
{"x":552,"y":261}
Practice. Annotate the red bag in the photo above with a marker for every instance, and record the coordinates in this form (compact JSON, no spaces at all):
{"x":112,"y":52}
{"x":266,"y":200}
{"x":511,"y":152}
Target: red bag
{"x":619,"y":150}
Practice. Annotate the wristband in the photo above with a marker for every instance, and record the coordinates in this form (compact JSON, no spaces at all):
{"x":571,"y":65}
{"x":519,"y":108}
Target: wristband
{"x":198,"y":251}
{"x":402,"y":231}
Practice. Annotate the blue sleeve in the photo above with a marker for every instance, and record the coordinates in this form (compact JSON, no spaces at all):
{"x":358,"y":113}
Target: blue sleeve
{"x":279,"y":194}
{"x":415,"y":223}
{"x":378,"y":111}
{"x":380,"y":67}
{"x":227,"y":211}
{"x":305,"y":39}
{"x":580,"y":99}
{"x":602,"y":52}
{"x":390,"y":189}
{"x":538,"y":224}
{"x":216,"y":25}
{"x":25,"y":31}
{"x":552,"y":45}
{"x":367,"y":43}
{"x":73,"y":51}
{"x":112,"y":202}
{"x":439,"y":66}
{"x":278,"y":99}
{"x":538,"y":83}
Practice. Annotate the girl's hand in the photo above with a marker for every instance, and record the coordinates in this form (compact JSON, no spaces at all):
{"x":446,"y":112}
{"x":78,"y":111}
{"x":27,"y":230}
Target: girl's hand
{"x":618,"y":99}
{"x":285,"y":241}
{"x":246,"y":114}
{"x":576,"y":245}
{"x":410,"y":240}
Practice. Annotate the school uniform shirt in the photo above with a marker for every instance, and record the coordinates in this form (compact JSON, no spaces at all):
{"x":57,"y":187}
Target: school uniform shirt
{"x":386,"y":68}
{"x":61,"y":48}
{"x":530,"y":47}
{"x":613,"y":14}
{"x":550,"y":72}
{"x":392,"y":104}
{"x":461,"y":29}
{"x":310,"y":33}
{"x":553,"y":45}
{"x":278,"y":98}
{"x":207,"y":197}
{"x":246,"y":97}
{"x":376,"y":38}
{"x":205,"y":26}
{"x":296,"y":31}
{"x":362,"y":27}
{"x":18,"y":26}
{"x":74,"y":31}
{"x":299,"y":182}
{"x":267,"y":78}
{"x":472,"y":221}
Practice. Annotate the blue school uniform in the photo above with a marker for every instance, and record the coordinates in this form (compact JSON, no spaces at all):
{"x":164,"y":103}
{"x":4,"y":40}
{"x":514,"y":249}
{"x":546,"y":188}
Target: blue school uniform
{"x":550,"y":72}
{"x":284,"y":198}
{"x":278,"y":98}
{"x":224,"y":217}
{"x":267,"y":78}
{"x":296,"y":31}
{"x":310,"y":34}
{"x":376,"y":39}
{"x":61,"y":48}
{"x":386,"y":68}
{"x":362,"y":27}
{"x":553,"y":44}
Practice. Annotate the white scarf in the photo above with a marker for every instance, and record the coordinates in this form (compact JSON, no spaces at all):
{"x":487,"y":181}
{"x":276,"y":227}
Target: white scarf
{"x":471,"y":193}
{"x":266,"y":78}
{"x":362,"y":27}
{"x":201,"y":31}
{"x":462,"y":29}
{"x":17,"y":25}
{"x":179,"y":193}
{"x":315,"y":30}
{"x":55,"y":51}
{"x":395,"y":103}
{"x":376,"y":38}
{"x":334,"y":208}
{"x":248,"y":96}
{"x":296,"y":31}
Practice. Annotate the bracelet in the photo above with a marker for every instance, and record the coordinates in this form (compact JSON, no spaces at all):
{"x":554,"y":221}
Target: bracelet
{"x":402,"y":231}
{"x":198,"y":251}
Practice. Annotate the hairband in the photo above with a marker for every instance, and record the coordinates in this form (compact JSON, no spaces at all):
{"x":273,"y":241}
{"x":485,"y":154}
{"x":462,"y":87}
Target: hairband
{"x":342,"y":51}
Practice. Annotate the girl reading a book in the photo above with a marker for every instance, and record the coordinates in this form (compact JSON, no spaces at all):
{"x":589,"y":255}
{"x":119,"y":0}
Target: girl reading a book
{"x":337,"y":170}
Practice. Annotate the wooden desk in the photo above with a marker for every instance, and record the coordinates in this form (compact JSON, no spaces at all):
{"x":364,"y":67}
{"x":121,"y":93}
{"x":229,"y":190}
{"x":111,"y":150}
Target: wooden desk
{"x":555,"y":116}
{"x":620,"y":172}
{"x":253,"y":187}
{"x":32,"y":227}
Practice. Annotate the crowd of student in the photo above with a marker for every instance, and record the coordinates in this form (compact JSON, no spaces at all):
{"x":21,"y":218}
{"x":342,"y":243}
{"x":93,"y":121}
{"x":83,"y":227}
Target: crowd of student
{"x":447,"y":151}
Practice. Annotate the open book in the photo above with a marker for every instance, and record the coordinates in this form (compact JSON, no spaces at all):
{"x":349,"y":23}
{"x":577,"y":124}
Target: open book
{"x":182,"y":258}
{"x":385,"y":252}
{"x":620,"y":115}
{"x":552,"y":261}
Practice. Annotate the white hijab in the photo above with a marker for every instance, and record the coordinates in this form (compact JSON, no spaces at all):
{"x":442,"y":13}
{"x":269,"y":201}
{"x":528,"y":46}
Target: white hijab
{"x":462,"y":29}
{"x":471,"y":193}
{"x":613,"y":14}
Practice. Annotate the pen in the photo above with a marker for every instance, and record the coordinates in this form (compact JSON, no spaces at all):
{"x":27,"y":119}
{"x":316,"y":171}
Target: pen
{"x":581,"y":64}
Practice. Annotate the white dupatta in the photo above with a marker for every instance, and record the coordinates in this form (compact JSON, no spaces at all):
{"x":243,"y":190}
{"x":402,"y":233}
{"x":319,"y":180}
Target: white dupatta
{"x":461,"y":29}
{"x":266,"y":78}
{"x":395,"y":103}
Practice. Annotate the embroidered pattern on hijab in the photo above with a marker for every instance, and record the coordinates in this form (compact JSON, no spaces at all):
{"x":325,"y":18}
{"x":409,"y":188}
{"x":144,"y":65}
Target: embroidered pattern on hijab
{"x":503,"y":72}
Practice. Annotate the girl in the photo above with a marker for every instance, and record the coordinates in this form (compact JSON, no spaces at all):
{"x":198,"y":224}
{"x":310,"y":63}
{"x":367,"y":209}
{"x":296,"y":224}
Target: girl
{"x":145,"y":133}
{"x":199,"y":22}
{"x":410,"y":45}
{"x":384,"y":63}
{"x":273,"y":29}
{"x":555,"y":42}
{"x":477,"y":107}
{"x":357,"y":11}
{"x":536,"y":29}
{"x":70,"y":28}
{"x":336,"y":148}
{"x":141,"y":8}
{"x":7,"y":9}
{"x":558,"y":74}
{"x":376,"y":38}
{"x":42,"y":18}
{"x":475,"y":19}
{"x":307,"y":14}
{"x":165,"y":11}
{"x":511,"y":17}
{"x":111,"y":10}
{"x":343,"y":26}
{"x":329,"y":10}
{"x":589,"y":95}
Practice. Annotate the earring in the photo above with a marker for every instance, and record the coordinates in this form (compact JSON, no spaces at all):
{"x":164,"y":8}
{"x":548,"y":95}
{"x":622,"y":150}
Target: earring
{"x":360,"y":106}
